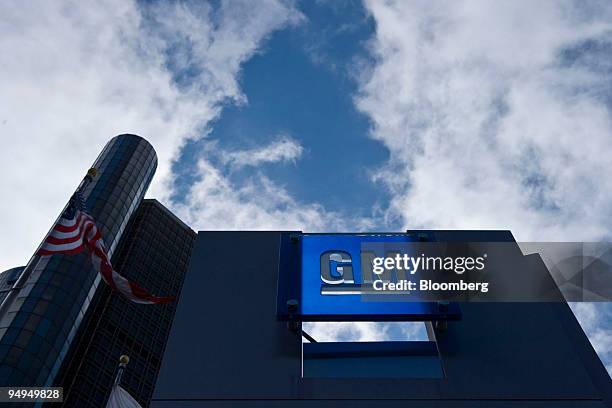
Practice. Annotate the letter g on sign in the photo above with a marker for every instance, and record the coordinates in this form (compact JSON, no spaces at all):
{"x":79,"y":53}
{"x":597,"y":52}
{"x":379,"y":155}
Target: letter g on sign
{"x":336,"y":267}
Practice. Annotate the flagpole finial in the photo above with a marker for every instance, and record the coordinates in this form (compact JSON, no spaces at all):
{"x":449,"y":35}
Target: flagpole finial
{"x":124,"y":360}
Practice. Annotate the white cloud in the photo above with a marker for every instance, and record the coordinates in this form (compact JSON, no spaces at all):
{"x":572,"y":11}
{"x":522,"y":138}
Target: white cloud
{"x":214,"y":202}
{"x":76,"y":73}
{"x":486,"y":125}
{"x":282,"y":150}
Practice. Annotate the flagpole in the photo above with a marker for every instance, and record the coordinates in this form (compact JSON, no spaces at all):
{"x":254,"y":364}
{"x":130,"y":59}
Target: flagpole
{"x":35,"y":259}
{"x":123,"y":362}
{"x":120,"y":398}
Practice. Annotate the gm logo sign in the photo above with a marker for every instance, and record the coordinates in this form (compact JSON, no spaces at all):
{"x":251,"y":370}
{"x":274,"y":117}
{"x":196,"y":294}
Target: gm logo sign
{"x":338,"y":275}
{"x":335,"y":270}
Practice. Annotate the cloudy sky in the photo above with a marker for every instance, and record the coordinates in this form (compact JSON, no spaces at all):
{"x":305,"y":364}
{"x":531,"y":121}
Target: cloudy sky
{"x":335,"y":116}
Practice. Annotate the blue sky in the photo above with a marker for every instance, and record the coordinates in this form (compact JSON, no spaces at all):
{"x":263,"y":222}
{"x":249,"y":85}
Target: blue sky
{"x":301,"y":84}
{"x":320,"y":116}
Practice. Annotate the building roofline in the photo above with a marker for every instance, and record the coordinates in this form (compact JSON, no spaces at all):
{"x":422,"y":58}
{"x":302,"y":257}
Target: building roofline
{"x":167,"y":211}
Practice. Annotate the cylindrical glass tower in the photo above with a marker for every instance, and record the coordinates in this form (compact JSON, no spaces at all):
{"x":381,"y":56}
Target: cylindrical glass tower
{"x":38,"y":324}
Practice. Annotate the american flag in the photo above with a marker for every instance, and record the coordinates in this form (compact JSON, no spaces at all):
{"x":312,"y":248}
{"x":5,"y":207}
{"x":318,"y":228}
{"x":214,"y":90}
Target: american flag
{"x":76,"y":231}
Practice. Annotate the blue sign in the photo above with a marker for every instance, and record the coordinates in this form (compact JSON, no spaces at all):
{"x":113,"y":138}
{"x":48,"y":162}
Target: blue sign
{"x":333,"y":271}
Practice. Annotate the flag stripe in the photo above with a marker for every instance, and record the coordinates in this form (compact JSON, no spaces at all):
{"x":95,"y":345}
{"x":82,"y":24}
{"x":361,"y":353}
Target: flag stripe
{"x":64,"y":225}
{"x":75,"y":237}
{"x":73,"y":233}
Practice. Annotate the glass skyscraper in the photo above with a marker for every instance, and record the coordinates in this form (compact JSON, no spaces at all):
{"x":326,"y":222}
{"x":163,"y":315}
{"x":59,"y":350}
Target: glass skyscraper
{"x":52,"y":303}
{"x":155,"y":252}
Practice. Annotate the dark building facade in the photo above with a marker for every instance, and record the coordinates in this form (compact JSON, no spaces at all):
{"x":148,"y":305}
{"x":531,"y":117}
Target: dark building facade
{"x":155,"y":252}
{"x":498,"y":355}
